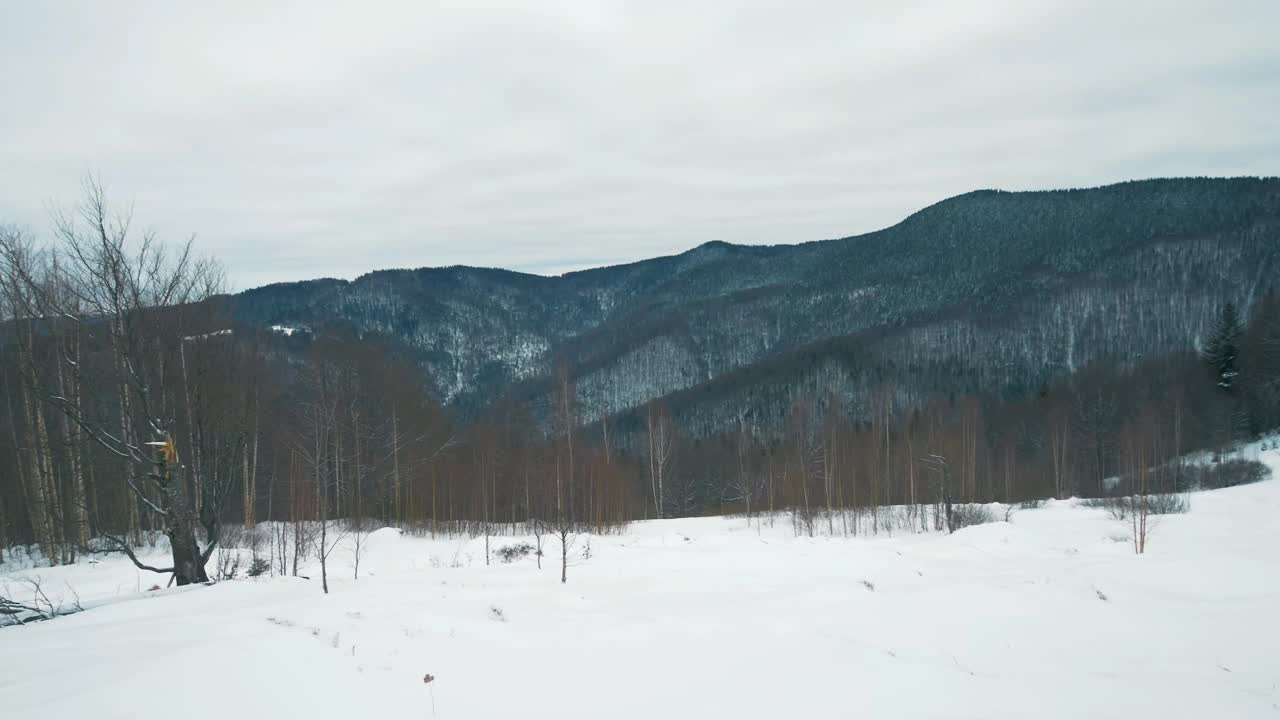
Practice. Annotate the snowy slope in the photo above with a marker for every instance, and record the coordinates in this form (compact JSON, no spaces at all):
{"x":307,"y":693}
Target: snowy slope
{"x":700,"y":618}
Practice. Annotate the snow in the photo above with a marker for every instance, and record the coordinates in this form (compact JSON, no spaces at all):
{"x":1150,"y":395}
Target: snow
{"x":1050,"y":615}
{"x":215,"y":333}
{"x":284,"y":330}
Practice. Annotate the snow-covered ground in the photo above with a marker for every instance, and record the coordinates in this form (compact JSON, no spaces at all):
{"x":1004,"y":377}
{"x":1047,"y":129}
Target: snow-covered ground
{"x":1049,"y":616}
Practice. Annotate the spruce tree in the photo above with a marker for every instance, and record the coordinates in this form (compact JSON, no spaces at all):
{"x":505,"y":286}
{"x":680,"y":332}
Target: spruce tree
{"x":1222,"y":351}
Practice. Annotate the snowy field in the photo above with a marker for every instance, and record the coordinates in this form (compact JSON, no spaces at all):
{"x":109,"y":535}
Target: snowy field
{"x":1048,"y":616}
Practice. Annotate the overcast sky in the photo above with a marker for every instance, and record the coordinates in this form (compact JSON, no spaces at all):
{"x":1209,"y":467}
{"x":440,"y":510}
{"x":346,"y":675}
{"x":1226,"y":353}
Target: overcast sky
{"x":305,"y":140}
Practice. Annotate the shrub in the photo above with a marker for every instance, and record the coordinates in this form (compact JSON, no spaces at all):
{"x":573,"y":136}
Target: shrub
{"x":228,"y":563}
{"x":1228,"y":473}
{"x":1117,"y":507}
{"x":963,"y":516}
{"x":1120,"y":508}
{"x":1032,"y":503}
{"x":259,"y":567}
{"x":1166,"y":504}
{"x":511,"y":553}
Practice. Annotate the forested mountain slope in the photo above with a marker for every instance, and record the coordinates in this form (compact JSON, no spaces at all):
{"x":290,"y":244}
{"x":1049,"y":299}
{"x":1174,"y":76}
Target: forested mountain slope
{"x":989,"y":291}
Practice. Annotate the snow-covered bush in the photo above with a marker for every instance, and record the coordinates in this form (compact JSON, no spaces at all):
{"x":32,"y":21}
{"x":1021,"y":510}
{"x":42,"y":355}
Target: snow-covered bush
{"x":1227,"y":473}
{"x":963,"y":516}
{"x":511,"y":553}
{"x":1120,"y":508}
{"x":1168,"y":504}
{"x":1117,"y":507}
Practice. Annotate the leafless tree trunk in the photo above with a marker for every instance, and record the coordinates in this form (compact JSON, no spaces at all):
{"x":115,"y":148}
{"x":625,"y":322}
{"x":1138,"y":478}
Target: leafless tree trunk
{"x":661,"y":443}
{"x":395,"y":465}
{"x":1059,"y":452}
{"x":939,"y":464}
{"x":358,"y":531}
{"x":23,"y":287}
{"x":539,"y":530}
{"x":565,"y":532}
{"x":249,"y":470}
{"x":745,"y":483}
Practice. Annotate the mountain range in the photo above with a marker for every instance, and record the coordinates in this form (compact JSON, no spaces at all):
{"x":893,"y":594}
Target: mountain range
{"x":990,"y":291}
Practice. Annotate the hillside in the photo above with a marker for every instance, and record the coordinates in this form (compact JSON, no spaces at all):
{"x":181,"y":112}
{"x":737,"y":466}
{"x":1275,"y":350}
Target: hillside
{"x":994,"y":292}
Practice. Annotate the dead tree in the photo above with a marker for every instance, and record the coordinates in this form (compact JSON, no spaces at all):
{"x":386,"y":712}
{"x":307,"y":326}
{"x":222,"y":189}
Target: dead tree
{"x":40,"y":607}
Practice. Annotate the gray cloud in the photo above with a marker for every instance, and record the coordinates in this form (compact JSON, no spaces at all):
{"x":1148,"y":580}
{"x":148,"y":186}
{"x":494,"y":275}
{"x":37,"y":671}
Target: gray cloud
{"x":315,"y":139}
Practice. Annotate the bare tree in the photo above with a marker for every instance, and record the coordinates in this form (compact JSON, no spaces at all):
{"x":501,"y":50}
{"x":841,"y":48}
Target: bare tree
{"x":746,"y":483}
{"x":808,"y":461}
{"x":565,"y":532}
{"x":661,"y":444}
{"x":539,"y":530}
{"x":316,"y":453}
{"x":938,"y":463}
{"x":1137,"y":457}
{"x":1059,"y":453}
{"x":24,"y":286}
{"x":129,"y":292}
{"x":358,"y":529}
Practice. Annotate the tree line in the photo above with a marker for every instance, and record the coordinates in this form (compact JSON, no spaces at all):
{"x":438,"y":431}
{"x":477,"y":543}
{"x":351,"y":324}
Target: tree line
{"x":137,"y":405}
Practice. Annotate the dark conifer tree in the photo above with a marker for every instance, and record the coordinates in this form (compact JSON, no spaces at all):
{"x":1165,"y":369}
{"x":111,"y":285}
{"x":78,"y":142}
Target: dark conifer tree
{"x":1222,"y":351}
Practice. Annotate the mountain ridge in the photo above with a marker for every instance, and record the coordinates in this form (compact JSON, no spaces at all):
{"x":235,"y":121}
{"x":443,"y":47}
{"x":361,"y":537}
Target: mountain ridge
{"x":727,"y":244}
{"x":1152,"y":257}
